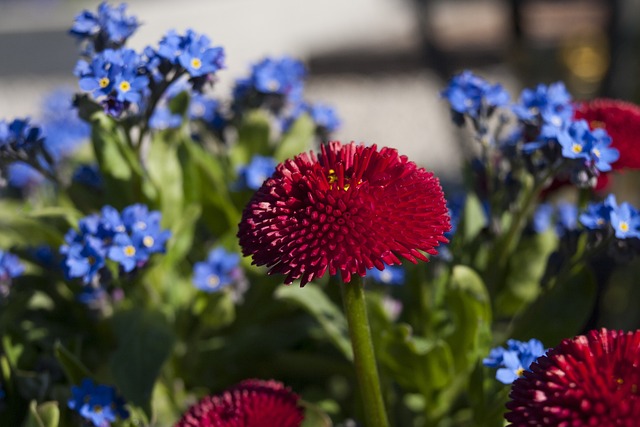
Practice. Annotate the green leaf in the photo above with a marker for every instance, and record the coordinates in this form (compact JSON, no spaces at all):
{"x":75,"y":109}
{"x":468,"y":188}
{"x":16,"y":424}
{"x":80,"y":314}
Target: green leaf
{"x":314,"y":301}
{"x":144,"y":344}
{"x":69,"y":215}
{"x":469,"y":305}
{"x":182,"y":233}
{"x":72,"y":367}
{"x":165,"y":171}
{"x":526,"y":267}
{"x":561,"y":312}
{"x":417,"y":364}
{"x":253,"y":138}
{"x":314,"y":416}
{"x":119,"y":165}
{"x":214,"y":310}
{"x":474,"y":218}
{"x":44,"y":415}
{"x":298,"y":138}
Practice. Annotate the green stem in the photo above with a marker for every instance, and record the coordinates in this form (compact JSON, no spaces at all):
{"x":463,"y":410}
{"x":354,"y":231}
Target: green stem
{"x":363,"y":356}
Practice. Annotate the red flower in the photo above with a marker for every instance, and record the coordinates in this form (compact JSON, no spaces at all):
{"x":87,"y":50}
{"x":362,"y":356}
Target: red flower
{"x":589,"y":380}
{"x":350,"y":209}
{"x":252,"y":403}
{"x":621,"y":120}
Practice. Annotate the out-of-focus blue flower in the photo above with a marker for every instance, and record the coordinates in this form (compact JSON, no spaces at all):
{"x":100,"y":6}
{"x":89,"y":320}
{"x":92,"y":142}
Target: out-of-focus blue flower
{"x":10,"y":266}
{"x":283,"y":76}
{"x":598,"y":215}
{"x":470,"y":94}
{"x":581,"y":141}
{"x":391,"y":275}
{"x":117,"y":75}
{"x":128,"y":239}
{"x":88,"y":175}
{"x":19,"y":135}
{"x":513,"y":360}
{"x":163,"y":118}
{"x":253,"y":175}
{"x":83,"y":259}
{"x":193,"y":52}
{"x":109,"y":28}
{"x":97,"y":403}
{"x":567,"y":219}
{"x":21,"y":175}
{"x":625,"y":220}
{"x":542,"y":217}
{"x":551,"y":103}
{"x":602,"y":154}
{"x":219,"y":270}
{"x":123,"y":251}
{"x":324,"y":117}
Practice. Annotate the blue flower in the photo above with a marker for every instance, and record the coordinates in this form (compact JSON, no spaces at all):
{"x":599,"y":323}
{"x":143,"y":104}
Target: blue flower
{"x":109,"y":27}
{"x":513,"y":360}
{"x":625,"y":220}
{"x":542,"y":217}
{"x":10,"y":266}
{"x":88,"y":175}
{"x":602,"y":154}
{"x":219,"y":270}
{"x":598,"y":215}
{"x":83,"y":259}
{"x":567,"y":218}
{"x":282,"y":76}
{"x":98,"y":404}
{"x":125,"y":253}
{"x":391,"y":275}
{"x":253,"y":175}
{"x":163,"y":118}
{"x":324,"y":117}
{"x":193,"y":52}
{"x":550,"y":103}
{"x":20,"y":135}
{"x":21,"y":175}
{"x":580,"y":143}
{"x":470,"y":94}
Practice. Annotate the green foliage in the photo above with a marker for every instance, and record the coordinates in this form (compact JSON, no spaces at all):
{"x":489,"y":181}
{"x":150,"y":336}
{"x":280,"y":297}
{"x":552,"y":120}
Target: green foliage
{"x":43,"y":415}
{"x":145,"y":342}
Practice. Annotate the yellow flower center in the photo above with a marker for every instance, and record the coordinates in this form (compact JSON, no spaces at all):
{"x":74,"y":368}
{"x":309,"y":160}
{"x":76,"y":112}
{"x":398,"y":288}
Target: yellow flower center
{"x":520,"y":372}
{"x":97,"y":409}
{"x":125,"y":86}
{"x":129,"y":250}
{"x":196,"y":63}
{"x":148,"y":241}
{"x":104,"y":82}
{"x":273,"y":85}
{"x":91,"y":260}
{"x":624,"y":226}
{"x":596,"y":152}
{"x":576,"y":148}
{"x":213,"y":280}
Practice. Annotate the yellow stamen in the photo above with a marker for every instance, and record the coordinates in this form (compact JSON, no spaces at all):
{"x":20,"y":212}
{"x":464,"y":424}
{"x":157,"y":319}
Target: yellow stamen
{"x":104,"y":82}
{"x":213,"y":280}
{"x":129,"y":250}
{"x":596,"y":152}
{"x":520,"y":372}
{"x":624,"y":226}
{"x":576,"y":148}
{"x":125,"y":86}
{"x":148,"y":241}
{"x":196,"y":63}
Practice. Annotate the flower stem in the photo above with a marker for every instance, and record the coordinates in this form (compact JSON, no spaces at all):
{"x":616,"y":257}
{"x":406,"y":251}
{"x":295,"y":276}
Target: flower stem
{"x":363,"y":356}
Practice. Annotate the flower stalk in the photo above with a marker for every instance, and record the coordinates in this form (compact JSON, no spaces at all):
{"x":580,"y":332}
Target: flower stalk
{"x":355,"y":309}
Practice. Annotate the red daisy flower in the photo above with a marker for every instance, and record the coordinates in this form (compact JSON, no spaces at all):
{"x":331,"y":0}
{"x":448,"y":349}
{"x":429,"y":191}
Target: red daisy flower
{"x":252,"y":403}
{"x":347,"y":210}
{"x":621,"y":120}
{"x":589,"y":380}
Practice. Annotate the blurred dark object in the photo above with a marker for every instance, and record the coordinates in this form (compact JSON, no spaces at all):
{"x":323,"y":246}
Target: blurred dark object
{"x":590,"y":44}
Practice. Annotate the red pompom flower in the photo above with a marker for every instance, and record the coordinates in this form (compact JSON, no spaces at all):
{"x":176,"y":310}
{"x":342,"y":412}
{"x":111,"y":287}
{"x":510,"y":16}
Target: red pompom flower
{"x":347,"y":210}
{"x":621,"y":120}
{"x":589,"y":380}
{"x":252,"y":403}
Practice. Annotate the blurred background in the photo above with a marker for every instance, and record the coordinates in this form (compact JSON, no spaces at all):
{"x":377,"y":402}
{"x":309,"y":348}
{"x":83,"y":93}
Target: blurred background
{"x":380,"y":63}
